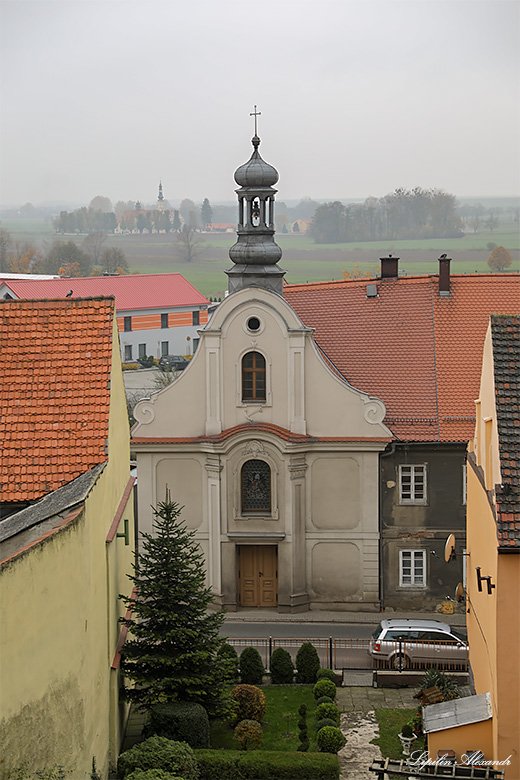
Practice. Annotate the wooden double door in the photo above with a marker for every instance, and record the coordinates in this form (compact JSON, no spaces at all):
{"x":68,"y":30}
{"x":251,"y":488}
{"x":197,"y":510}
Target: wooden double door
{"x":257,"y":575}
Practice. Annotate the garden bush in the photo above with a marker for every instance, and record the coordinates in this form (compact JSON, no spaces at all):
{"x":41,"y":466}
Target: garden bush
{"x":281,"y":667}
{"x":407,"y":730}
{"x":327,"y":711}
{"x":302,"y":726}
{"x":325,"y":722}
{"x":229,"y":656}
{"x":249,"y":734}
{"x":251,"y":702}
{"x":266,"y":765}
{"x":182,"y":721}
{"x":152,"y":774}
{"x":324,"y":699}
{"x":326,"y":674}
{"x":324,"y":688}
{"x":330,"y":739}
{"x":307,"y":663}
{"x":159,"y":753}
{"x":251,"y":666}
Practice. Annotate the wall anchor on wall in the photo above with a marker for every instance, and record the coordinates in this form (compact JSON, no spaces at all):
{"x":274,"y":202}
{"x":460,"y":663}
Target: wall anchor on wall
{"x":481,"y":579}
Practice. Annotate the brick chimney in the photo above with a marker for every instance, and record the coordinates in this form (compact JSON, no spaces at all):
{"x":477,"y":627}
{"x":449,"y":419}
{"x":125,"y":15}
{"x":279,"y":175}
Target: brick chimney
{"x":444,"y":275}
{"x":389,"y":267}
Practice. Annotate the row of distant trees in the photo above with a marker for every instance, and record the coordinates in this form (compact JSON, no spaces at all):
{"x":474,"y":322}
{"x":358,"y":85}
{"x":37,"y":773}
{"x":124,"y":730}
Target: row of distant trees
{"x":92,"y":258}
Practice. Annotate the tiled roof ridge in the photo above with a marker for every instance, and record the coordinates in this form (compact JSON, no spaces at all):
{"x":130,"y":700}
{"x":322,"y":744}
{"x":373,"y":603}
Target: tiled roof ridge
{"x":59,"y":300}
{"x":408,"y":278}
{"x":505,"y":332}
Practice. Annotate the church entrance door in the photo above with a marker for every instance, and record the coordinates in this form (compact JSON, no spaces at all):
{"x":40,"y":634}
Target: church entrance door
{"x":257,"y":576}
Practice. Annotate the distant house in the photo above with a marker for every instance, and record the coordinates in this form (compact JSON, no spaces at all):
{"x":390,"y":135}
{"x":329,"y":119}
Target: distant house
{"x":157,"y":314}
{"x":415,"y":343}
{"x":221,"y":227}
{"x":66,"y":533}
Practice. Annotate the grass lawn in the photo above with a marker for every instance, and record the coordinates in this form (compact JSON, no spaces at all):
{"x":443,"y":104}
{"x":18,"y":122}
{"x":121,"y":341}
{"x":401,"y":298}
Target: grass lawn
{"x":279,"y":733}
{"x":390,"y":724}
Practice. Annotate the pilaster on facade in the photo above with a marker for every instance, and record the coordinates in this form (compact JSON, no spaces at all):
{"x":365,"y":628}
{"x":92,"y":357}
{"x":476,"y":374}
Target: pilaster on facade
{"x":213,"y":384}
{"x":213,"y":467}
{"x":296,"y":381}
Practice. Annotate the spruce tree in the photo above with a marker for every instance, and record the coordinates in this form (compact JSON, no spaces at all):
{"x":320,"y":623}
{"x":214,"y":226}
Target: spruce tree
{"x":171,"y":650}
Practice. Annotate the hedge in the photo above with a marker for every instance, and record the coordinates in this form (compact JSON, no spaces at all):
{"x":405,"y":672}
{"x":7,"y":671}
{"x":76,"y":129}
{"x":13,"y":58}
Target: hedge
{"x":266,"y":765}
{"x":152,"y":774}
{"x":177,"y":758}
{"x":182,"y":721}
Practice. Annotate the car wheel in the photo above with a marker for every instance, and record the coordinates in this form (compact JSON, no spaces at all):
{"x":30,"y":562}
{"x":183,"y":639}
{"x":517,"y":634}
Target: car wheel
{"x":400,"y":662}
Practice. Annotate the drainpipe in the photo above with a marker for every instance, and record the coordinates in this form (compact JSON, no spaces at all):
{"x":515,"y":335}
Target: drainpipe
{"x":390,"y":452}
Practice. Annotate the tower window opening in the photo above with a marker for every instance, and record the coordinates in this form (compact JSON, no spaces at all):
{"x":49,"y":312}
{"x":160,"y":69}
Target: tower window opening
{"x":255,"y":212}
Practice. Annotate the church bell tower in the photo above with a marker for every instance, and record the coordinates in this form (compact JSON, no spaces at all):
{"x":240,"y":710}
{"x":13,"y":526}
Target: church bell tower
{"x":256,"y":254}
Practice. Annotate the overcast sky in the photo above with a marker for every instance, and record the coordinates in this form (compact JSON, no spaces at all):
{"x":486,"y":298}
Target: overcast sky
{"x":358,"y":97}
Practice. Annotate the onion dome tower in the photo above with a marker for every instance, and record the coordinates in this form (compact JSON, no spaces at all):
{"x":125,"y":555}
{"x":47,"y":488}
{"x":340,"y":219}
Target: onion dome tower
{"x":256,"y":254}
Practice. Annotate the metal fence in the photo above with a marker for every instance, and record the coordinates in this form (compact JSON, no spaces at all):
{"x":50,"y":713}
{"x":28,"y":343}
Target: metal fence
{"x":355,"y":653}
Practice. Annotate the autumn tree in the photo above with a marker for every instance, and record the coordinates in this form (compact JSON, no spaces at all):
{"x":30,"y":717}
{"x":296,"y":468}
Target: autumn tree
{"x":5,"y":243}
{"x":29,"y":261}
{"x":113,"y":261}
{"x":93,"y":245}
{"x":185,"y":208}
{"x":499,"y":259}
{"x":62,"y":253}
{"x":176,"y":222}
{"x":101,"y":203}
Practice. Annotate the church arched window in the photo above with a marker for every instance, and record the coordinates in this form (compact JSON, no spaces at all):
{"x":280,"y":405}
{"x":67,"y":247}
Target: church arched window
{"x":253,"y":377}
{"x":256,"y":486}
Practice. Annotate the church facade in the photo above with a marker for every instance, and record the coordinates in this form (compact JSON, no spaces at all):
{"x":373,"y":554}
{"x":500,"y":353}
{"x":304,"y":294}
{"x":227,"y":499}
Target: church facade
{"x":272,"y":453}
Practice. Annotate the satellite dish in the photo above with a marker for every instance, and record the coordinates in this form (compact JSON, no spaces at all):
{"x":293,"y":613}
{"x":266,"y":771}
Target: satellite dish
{"x":459,"y":592}
{"x":449,"y":548}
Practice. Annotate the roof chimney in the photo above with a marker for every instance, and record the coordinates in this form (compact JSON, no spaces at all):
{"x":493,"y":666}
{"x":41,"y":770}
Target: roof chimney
{"x":444,"y":275}
{"x":389,"y":267}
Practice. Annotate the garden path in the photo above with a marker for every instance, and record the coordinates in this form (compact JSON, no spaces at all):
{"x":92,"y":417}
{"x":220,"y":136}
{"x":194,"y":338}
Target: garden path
{"x":359,"y":728}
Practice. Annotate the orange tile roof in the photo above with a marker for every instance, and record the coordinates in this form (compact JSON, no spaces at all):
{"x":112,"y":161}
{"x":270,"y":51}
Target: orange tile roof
{"x":55,"y":367}
{"x":418,"y":351}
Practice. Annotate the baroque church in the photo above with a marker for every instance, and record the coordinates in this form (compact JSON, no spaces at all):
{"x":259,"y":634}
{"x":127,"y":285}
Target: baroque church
{"x":272,"y":453}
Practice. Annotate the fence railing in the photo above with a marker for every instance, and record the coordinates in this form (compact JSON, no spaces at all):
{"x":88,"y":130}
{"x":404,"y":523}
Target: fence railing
{"x":344,"y":653}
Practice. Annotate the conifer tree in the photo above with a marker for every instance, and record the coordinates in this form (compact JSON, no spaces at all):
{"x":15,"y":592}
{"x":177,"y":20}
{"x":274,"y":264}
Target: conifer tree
{"x":171,"y":652}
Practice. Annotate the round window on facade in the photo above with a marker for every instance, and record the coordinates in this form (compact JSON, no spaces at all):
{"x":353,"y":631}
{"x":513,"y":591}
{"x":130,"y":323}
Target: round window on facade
{"x":253,"y":324}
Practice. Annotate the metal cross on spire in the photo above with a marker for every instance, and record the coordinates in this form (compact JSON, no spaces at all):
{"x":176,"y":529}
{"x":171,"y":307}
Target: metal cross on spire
{"x":255,"y":113}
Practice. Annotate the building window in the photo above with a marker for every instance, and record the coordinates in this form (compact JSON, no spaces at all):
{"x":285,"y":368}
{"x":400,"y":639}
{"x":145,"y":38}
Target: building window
{"x":412,"y":484}
{"x":165,"y":345}
{"x":196,"y":317}
{"x":128,"y":324}
{"x":128,"y":352}
{"x":142,"y":350}
{"x":412,"y":568}
{"x":256,"y":486}
{"x":253,"y":377}
{"x":164,"y":320}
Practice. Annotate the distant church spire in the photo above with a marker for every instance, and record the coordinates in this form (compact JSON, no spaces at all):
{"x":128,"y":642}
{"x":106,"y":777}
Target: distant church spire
{"x":256,"y":254}
{"x":160,"y":197}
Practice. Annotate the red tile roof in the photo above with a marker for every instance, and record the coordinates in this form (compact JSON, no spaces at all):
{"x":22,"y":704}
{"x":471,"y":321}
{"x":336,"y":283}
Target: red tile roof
{"x":133,"y":291}
{"x":416,"y":350}
{"x":55,"y":367}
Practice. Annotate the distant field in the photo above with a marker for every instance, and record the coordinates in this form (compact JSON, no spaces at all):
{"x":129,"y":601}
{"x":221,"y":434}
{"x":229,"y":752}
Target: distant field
{"x":302,"y":259}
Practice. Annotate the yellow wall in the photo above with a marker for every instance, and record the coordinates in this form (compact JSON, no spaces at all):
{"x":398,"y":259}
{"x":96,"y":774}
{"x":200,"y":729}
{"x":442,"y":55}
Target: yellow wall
{"x":59,"y":626}
{"x":476,"y":736}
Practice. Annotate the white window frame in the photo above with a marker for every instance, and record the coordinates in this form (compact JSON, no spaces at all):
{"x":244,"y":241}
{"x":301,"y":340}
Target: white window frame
{"x":412,"y":493}
{"x":407,"y":568}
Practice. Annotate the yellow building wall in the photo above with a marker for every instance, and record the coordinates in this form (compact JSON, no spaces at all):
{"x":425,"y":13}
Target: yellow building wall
{"x":475,"y":736}
{"x":59,"y":630}
{"x":507,"y":732}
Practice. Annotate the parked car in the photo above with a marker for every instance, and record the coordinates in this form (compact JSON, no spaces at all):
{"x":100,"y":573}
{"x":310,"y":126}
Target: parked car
{"x":173,"y":362}
{"x":405,"y":644}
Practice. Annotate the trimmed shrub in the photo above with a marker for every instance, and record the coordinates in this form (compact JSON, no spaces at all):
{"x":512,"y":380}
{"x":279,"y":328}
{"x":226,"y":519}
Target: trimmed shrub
{"x":249,"y":734}
{"x":304,"y":745}
{"x":251,"y":702}
{"x":330,"y":739}
{"x":307,"y":663}
{"x":183,"y":721}
{"x":407,"y":730}
{"x":251,"y":666}
{"x":326,"y":674}
{"x":228,"y":655}
{"x":302,"y":710}
{"x":327,"y":711}
{"x":324,"y":700}
{"x":324,"y":688}
{"x":281,"y":667}
{"x":152,"y":774}
{"x":159,"y":753}
{"x":266,"y":764}
{"x":325,"y":722}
